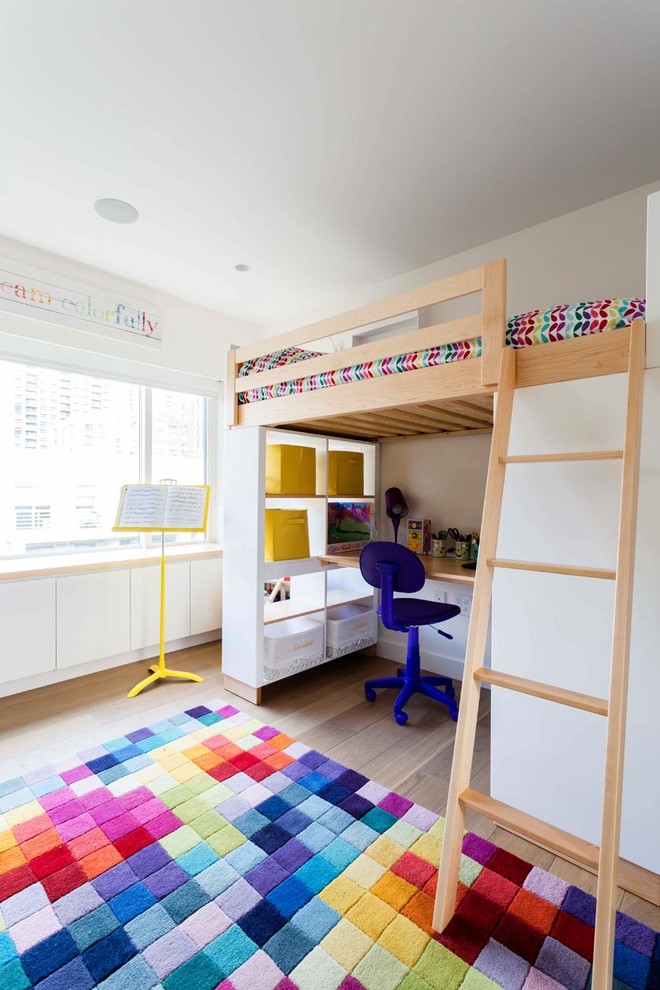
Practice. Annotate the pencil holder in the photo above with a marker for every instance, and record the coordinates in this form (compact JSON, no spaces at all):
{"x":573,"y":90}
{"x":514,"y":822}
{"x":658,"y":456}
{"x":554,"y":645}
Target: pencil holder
{"x":462,"y":550}
{"x":438,"y":548}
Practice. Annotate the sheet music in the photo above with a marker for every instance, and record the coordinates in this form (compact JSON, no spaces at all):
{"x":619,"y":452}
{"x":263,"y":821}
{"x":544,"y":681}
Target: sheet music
{"x":166,"y":507}
{"x":142,"y":506}
{"x":185,"y":507}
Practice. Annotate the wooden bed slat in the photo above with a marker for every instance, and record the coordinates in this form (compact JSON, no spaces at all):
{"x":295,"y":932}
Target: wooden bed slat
{"x":409,"y":416}
{"x":451,"y":414}
{"x":404,"y":302}
{"x":440,"y":433}
{"x":414,"y":340}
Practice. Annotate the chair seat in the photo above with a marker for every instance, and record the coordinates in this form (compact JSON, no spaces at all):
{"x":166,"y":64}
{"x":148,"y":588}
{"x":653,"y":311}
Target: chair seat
{"x":420,"y":612}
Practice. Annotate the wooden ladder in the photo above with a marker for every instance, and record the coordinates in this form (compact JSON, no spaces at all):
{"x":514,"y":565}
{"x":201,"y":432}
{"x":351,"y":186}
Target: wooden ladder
{"x":604,"y":859}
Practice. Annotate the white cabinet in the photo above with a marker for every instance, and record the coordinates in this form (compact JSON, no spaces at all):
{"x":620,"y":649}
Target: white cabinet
{"x":27,"y":628}
{"x":145,"y":604}
{"x":93,"y":617}
{"x":246,"y":613}
{"x":205,"y":595}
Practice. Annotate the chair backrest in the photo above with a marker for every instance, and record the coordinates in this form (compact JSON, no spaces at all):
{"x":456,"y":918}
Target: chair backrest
{"x":409,"y":575}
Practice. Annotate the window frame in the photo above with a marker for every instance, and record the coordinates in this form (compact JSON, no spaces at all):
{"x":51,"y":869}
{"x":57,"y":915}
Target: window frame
{"x":97,"y":366}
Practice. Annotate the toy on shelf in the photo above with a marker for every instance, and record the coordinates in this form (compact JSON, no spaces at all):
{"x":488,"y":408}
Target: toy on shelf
{"x":462,"y":543}
{"x":419,"y":535}
{"x":439,"y":543}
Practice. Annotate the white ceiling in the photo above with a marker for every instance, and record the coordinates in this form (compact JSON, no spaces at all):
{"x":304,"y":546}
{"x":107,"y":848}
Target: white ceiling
{"x":326,"y":143}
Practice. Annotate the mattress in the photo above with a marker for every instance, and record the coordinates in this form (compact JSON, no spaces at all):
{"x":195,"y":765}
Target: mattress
{"x":539,"y":326}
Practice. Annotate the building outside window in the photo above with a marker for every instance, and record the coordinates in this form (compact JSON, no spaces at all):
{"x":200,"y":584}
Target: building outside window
{"x":69,"y":441}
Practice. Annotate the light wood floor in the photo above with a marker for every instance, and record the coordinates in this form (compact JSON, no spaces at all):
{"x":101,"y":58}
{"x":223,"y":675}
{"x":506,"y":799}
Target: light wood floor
{"x":324,"y":708}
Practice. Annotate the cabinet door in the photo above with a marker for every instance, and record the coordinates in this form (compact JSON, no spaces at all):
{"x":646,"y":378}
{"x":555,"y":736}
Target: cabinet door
{"x":145,"y":604}
{"x":205,"y":595}
{"x":27,"y":628}
{"x":93,"y":618}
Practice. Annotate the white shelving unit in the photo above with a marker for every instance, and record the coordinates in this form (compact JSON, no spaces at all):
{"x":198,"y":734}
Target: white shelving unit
{"x":249,"y":620}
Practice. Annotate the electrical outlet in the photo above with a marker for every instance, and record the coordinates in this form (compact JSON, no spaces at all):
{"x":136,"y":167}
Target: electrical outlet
{"x":464,"y":602}
{"x":440,"y":596}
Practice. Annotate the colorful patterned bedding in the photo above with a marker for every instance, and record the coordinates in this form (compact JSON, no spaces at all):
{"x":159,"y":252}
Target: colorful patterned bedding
{"x":540,"y":326}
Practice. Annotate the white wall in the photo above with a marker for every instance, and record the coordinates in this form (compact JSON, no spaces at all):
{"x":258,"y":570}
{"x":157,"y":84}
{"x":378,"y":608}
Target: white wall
{"x":591,"y":253}
{"x":194,"y":339}
{"x":653,"y":283}
{"x":443,"y":480}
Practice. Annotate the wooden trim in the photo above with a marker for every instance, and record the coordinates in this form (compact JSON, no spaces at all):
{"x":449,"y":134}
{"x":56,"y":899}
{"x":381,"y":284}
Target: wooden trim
{"x":494,"y":319}
{"x":231,"y":399}
{"x":445,"y":902}
{"x":586,"y":455}
{"x":456,"y":379}
{"x":413,"y":340}
{"x":443,"y":290}
{"x":563,"y":843}
{"x":530,"y":565}
{"x":245,"y":691}
{"x":582,"y":357}
{"x":616,"y":735}
{"x":562,"y":696}
{"x":60,"y":565}
{"x":436,"y":568}
{"x":431,"y":436}
{"x":637,"y":880}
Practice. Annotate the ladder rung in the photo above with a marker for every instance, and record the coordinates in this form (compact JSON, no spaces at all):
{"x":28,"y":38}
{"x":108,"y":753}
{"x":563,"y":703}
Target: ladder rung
{"x":582,"y":455}
{"x":532,"y":828}
{"x":531,"y":565}
{"x":574,"y":699}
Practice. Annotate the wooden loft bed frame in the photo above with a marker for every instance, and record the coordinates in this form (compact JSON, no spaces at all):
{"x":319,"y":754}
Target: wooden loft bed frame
{"x":444,"y":400}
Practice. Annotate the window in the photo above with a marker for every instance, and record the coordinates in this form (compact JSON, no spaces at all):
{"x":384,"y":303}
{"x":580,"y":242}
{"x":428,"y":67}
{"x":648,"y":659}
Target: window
{"x":68,"y":448}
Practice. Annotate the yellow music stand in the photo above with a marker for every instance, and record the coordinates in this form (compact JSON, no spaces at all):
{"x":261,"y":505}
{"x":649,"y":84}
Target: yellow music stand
{"x":164,"y":508}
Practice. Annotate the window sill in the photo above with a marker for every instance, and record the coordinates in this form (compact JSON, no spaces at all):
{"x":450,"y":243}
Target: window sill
{"x":107,"y":560}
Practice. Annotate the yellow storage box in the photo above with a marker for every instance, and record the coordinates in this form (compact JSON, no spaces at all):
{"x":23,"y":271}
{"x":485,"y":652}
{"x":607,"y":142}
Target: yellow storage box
{"x":290,"y":469}
{"x":287,"y":534}
{"x":345,"y":472}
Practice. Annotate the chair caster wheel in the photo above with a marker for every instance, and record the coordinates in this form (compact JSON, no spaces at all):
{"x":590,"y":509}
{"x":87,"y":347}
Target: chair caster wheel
{"x":370,"y":694}
{"x":401,"y":718}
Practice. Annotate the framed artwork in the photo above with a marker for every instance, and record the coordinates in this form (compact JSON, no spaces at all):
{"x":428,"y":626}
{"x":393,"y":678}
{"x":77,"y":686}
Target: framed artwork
{"x":349,"y":525}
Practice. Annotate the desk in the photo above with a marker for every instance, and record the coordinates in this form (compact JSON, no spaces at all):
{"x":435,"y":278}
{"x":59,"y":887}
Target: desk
{"x":437,"y":568}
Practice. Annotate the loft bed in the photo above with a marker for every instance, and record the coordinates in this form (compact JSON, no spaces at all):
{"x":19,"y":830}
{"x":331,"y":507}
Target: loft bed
{"x":437,"y":380}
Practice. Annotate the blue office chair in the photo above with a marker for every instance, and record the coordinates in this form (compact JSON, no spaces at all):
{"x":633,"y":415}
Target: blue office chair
{"x":391,"y":568}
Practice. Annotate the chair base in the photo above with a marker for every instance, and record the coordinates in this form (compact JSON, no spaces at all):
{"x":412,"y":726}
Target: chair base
{"x":409,"y":683}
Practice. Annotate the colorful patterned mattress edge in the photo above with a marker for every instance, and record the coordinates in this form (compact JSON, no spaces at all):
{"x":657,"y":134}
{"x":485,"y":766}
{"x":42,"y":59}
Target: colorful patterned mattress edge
{"x":539,"y":326}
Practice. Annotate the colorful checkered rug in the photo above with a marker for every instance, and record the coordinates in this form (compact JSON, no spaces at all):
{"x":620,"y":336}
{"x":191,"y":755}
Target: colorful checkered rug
{"x":211,"y":851}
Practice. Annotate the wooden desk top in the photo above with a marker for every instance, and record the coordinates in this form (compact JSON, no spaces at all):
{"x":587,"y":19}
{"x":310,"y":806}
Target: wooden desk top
{"x":437,"y":568}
